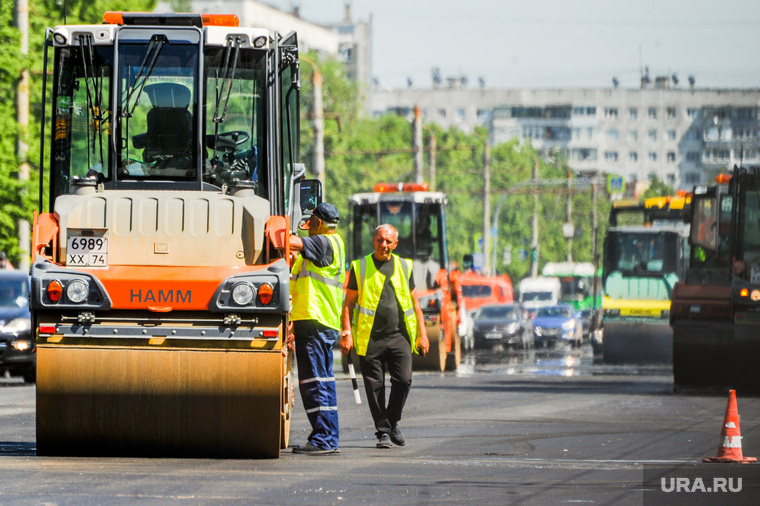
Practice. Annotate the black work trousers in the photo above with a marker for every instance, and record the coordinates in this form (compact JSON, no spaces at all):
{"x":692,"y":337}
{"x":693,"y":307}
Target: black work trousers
{"x":392,"y":354}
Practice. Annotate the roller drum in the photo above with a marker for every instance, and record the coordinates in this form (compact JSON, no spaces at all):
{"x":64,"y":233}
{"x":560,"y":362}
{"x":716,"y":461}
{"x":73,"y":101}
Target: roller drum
{"x":105,"y":400}
{"x":637,"y":342}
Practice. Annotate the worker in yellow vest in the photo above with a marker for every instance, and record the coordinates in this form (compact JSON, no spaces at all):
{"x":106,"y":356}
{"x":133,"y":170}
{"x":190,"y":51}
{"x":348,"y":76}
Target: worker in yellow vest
{"x":316,"y":285}
{"x":388,"y":327}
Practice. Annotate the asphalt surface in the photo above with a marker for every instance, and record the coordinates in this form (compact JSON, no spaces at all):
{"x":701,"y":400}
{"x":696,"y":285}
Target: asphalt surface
{"x":542,"y":427}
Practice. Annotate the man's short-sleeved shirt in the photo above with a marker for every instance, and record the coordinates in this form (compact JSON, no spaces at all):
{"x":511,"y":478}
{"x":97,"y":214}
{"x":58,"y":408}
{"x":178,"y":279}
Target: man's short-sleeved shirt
{"x":388,"y":315}
{"x":317,"y":249}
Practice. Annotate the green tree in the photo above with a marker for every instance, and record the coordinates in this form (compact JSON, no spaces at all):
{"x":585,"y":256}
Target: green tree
{"x":13,"y":204}
{"x":18,"y":200}
{"x":657,"y":188}
{"x":362,"y":151}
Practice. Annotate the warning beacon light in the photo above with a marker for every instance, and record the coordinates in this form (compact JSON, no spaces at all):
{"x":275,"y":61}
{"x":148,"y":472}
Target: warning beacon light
{"x":400,"y":187}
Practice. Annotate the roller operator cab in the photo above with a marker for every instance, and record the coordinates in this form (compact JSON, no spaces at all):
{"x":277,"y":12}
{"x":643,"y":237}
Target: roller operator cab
{"x":159,"y":297}
{"x":419,"y":216}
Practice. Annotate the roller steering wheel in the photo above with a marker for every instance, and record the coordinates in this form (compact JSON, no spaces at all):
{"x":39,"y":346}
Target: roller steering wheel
{"x":227,"y":141}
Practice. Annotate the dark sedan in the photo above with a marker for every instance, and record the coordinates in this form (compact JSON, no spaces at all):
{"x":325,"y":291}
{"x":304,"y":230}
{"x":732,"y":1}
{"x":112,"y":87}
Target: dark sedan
{"x":505,"y":324}
{"x":17,"y":348}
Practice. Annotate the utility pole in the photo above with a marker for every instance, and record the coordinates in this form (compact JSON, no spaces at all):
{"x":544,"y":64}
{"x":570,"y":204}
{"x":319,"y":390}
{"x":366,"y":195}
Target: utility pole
{"x":432,"y":148}
{"x":569,"y":232}
{"x":22,"y":101}
{"x":594,"y":256}
{"x":534,"y":241}
{"x":417,"y":145}
{"x":594,"y":220}
{"x":487,"y":206}
{"x":318,"y":126}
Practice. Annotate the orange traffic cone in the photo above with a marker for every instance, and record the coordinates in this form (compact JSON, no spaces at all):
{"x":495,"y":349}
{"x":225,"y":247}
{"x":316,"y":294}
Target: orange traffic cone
{"x":730,"y":449}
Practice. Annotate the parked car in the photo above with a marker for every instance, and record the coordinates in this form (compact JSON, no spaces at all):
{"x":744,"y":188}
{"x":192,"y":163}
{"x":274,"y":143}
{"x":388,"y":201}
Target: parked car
{"x":560,"y":323}
{"x":17,"y":347}
{"x":505,"y":324}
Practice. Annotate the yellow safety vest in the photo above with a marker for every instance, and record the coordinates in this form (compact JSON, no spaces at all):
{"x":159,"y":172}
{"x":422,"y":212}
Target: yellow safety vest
{"x":370,"y":284}
{"x":318,"y":291}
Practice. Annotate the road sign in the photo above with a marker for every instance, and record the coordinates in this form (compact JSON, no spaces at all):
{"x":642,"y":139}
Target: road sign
{"x":615,"y":184}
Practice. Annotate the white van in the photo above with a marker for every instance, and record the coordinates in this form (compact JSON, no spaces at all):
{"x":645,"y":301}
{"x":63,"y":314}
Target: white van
{"x":539,"y":292}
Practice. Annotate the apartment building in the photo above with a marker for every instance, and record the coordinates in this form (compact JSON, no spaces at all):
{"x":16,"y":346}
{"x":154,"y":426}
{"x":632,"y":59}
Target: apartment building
{"x":684,"y":136}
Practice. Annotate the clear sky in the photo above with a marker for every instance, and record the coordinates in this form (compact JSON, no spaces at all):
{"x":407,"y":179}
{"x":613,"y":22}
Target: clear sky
{"x":555,"y":43}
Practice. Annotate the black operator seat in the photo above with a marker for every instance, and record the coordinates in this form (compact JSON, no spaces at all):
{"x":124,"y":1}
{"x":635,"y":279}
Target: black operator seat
{"x":169,"y":122}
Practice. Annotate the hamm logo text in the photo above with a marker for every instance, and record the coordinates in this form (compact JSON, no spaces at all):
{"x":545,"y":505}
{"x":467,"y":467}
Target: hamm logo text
{"x":161,"y":296}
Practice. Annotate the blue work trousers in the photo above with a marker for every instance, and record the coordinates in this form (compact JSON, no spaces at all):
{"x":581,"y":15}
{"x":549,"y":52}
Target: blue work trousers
{"x":316,"y":381}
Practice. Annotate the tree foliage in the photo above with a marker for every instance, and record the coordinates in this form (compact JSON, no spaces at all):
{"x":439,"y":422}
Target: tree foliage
{"x":657,"y":188}
{"x":362,"y":151}
{"x":18,"y":199}
{"x":12,"y":191}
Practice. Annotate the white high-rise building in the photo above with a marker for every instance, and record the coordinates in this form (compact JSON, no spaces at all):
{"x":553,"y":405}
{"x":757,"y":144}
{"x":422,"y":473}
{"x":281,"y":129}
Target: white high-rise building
{"x":684,"y":136}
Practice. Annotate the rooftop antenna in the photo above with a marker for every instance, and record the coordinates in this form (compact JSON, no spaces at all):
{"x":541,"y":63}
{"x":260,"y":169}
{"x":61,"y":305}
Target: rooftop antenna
{"x":436,"y":77}
{"x":644,"y":71}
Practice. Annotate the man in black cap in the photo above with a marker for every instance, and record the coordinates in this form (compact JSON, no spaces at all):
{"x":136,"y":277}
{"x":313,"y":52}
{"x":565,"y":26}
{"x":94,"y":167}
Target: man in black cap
{"x":316,"y":285}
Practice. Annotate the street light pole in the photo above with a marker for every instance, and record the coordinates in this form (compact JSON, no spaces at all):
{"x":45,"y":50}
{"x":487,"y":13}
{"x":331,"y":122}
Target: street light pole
{"x":594,"y":256}
{"x":534,"y":240}
{"x":318,"y":125}
{"x":487,"y":207}
{"x":431,"y":149}
{"x":568,"y":230}
{"x":417,"y":145}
